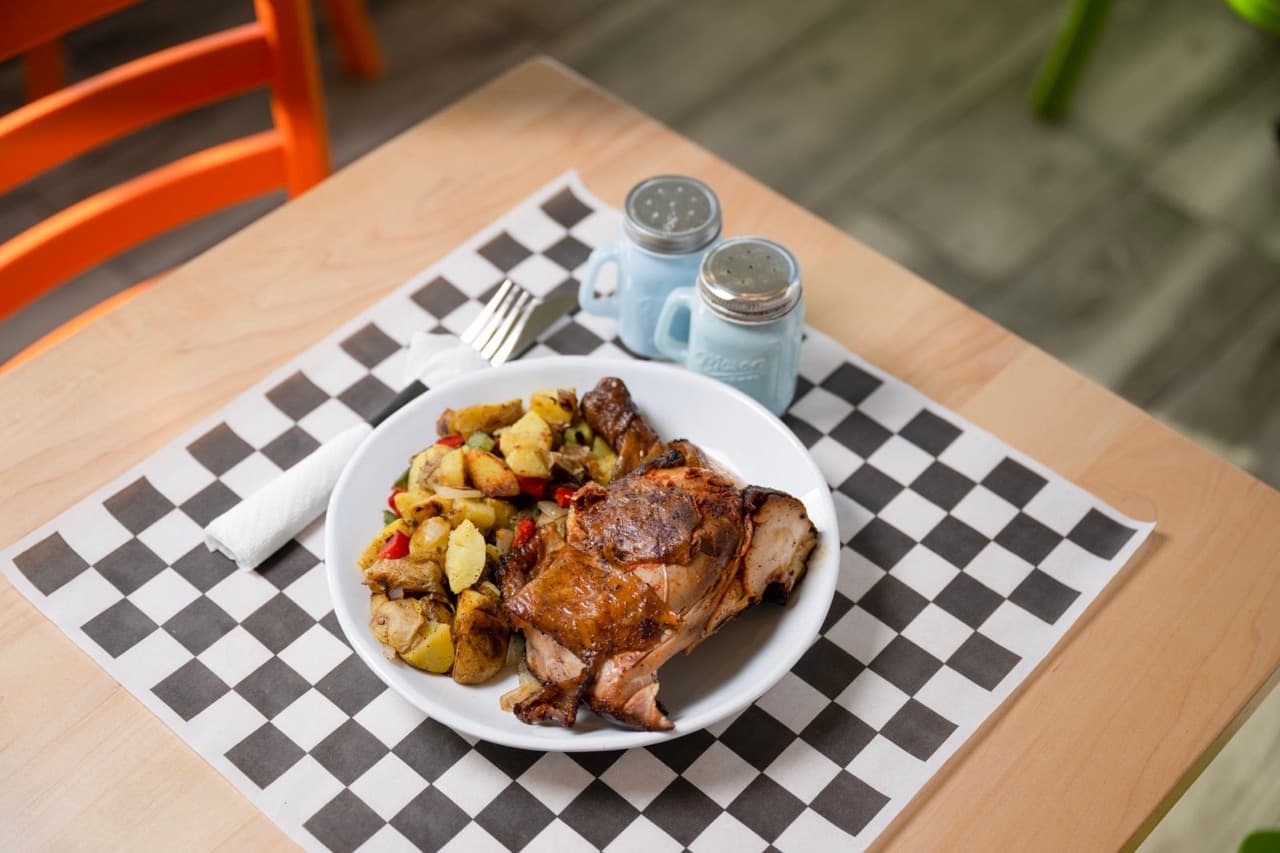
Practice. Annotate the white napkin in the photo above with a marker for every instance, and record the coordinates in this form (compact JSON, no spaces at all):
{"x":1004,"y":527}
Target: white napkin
{"x":262,"y":523}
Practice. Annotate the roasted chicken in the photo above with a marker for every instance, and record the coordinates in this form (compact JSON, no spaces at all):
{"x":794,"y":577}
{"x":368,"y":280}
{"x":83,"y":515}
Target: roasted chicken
{"x":646,"y":567}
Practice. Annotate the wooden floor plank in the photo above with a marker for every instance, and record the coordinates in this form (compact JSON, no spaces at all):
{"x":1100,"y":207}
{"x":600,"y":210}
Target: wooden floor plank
{"x":1227,"y":169}
{"x":996,"y":185}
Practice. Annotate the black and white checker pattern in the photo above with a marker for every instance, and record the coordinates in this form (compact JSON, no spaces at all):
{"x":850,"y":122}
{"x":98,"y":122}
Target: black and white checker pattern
{"x":962,"y":564}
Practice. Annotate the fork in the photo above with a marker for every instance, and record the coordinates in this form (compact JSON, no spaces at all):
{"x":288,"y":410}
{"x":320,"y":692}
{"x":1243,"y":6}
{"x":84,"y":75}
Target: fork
{"x":499,"y":325}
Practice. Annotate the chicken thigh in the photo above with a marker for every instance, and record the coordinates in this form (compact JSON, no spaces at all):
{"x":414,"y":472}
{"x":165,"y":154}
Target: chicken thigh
{"x":647,"y":566}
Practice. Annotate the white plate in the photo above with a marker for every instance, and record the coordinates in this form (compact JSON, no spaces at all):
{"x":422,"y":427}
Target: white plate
{"x":722,"y":675}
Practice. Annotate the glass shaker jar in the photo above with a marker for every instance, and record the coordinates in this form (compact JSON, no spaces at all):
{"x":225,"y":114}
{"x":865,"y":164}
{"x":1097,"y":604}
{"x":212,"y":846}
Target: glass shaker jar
{"x":669,"y":222}
{"x":746,"y":320}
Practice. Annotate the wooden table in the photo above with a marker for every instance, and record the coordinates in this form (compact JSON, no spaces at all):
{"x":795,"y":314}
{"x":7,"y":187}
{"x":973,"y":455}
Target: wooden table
{"x":1088,"y":753}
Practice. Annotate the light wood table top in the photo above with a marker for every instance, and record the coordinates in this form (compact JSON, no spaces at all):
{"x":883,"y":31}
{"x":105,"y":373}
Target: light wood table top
{"x":1087,"y":754}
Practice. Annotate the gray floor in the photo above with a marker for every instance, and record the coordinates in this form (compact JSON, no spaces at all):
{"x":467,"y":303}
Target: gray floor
{"x":1137,"y":240}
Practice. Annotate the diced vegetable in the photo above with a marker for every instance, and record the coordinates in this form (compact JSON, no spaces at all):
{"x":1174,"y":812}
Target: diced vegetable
{"x":416,"y":506}
{"x":451,"y":471}
{"x":503,"y":512}
{"x":480,"y":635}
{"x":452,"y":440}
{"x":525,"y":528}
{"x":602,"y":462}
{"x":578,"y":434}
{"x":403,"y":625}
{"x":430,"y":541}
{"x":433,"y":650}
{"x":563,"y":495}
{"x":380,"y":541}
{"x":480,"y":440}
{"x":489,"y":474}
{"x":423,"y":465}
{"x":486,"y":418}
{"x":391,"y":501}
{"x":388,"y":516}
{"x":527,"y":446}
{"x":397,"y":547}
{"x":402,"y":482}
{"x":464,"y":561}
{"x":555,"y":406}
{"x":535,"y":487}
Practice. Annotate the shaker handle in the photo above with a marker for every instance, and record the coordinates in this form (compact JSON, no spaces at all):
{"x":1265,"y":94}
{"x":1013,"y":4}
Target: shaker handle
{"x":678,"y":300}
{"x":604,"y":306}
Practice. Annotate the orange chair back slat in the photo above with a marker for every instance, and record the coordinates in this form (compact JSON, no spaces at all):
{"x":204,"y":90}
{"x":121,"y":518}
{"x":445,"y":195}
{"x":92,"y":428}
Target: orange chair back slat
{"x":277,"y":51}
{"x":71,"y":121}
{"x":105,"y":224}
{"x":28,"y":23}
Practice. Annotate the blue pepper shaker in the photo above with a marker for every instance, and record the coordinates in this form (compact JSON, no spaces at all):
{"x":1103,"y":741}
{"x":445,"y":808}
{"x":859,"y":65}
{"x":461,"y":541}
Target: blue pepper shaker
{"x":746,"y":320}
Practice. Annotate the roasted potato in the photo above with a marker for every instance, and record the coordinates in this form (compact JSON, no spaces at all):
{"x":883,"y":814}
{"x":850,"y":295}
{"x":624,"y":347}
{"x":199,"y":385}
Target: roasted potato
{"x":526,"y":444}
{"x":404,"y":626}
{"x":486,"y":417}
{"x":416,"y":506}
{"x":430,"y":541}
{"x":434,"y":649}
{"x":464,"y":561}
{"x":555,"y":406}
{"x":602,"y":461}
{"x":380,"y":541}
{"x":489,"y":474}
{"x":480,"y":635}
{"x":503,"y":512}
{"x":423,"y":464}
{"x":451,"y":471}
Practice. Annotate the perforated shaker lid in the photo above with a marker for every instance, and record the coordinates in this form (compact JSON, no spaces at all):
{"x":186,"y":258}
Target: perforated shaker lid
{"x":671,"y":214}
{"x":750,"y":280}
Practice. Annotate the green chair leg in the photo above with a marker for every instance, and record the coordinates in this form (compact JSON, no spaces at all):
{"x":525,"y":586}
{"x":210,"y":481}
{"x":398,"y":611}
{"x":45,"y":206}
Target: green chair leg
{"x":1262,"y":841}
{"x":1261,"y":13}
{"x":1061,"y":69}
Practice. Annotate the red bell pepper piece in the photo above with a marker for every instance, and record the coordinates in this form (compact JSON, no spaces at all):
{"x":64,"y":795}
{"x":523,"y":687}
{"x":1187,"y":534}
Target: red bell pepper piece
{"x":524,"y":532}
{"x":534,"y":487}
{"x":396,"y":548}
{"x":563,"y":495}
{"x":391,"y":501}
{"x":454,"y":440}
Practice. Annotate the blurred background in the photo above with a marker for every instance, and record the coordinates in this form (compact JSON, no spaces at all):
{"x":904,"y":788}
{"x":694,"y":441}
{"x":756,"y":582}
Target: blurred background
{"x":1136,"y":238}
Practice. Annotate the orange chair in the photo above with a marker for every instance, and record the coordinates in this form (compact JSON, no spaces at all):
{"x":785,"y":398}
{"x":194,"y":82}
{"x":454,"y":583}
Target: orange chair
{"x":277,"y":51}
{"x":348,"y":20}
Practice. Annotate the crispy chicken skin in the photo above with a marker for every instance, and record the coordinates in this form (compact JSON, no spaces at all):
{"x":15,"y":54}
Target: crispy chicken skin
{"x":648,"y":566}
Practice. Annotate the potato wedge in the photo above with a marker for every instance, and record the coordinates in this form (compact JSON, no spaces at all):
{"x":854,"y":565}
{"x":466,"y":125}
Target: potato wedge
{"x":423,"y":464}
{"x":531,"y":431}
{"x":416,"y":506}
{"x":503,"y":512}
{"x":370,"y":554}
{"x":464,"y":561}
{"x":489,"y":474}
{"x":397,"y":622}
{"x":433,"y":649}
{"x":555,"y":406}
{"x":430,"y":541}
{"x":480,"y":635}
{"x":486,"y":417}
{"x":530,"y":462}
{"x":451,"y":471}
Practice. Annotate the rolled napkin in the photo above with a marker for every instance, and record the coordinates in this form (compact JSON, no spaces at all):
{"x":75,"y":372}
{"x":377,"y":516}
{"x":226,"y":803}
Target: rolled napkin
{"x":262,"y":523}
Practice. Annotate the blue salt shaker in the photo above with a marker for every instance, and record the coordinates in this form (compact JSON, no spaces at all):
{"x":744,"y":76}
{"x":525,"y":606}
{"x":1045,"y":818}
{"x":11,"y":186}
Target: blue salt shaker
{"x":669,"y":222}
{"x":746,"y":320}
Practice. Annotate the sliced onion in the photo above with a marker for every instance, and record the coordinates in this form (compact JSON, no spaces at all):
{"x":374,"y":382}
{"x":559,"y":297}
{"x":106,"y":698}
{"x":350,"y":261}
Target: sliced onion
{"x":451,"y":493}
{"x":550,"y":512}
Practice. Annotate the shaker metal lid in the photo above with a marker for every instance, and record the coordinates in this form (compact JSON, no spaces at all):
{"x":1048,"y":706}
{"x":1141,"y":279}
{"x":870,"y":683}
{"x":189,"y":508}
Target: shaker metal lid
{"x":749,"y":280}
{"x":671,"y":214}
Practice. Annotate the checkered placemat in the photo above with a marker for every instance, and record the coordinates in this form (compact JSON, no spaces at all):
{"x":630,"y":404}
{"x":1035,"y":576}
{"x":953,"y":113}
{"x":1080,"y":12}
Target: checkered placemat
{"x":963,"y":562}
